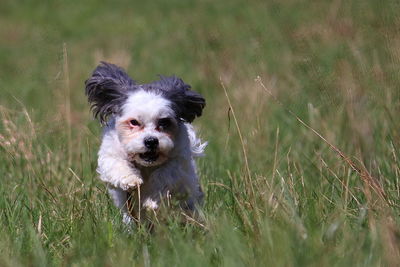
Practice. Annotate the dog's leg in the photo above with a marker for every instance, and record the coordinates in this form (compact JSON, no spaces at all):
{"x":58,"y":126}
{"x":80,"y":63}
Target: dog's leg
{"x":113,"y":165}
{"x":190,"y":186}
{"x":120,"y":198}
{"x":194,"y":201}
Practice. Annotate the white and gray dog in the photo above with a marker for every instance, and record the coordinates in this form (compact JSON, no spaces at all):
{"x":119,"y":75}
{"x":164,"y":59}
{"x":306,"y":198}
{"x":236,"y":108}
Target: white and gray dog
{"x":148,"y":145}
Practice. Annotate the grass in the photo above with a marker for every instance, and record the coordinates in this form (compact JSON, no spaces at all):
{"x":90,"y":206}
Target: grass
{"x":302,"y":167}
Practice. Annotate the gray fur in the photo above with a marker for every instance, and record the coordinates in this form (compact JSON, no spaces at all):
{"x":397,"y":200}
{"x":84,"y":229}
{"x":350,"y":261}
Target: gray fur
{"x":107,"y":90}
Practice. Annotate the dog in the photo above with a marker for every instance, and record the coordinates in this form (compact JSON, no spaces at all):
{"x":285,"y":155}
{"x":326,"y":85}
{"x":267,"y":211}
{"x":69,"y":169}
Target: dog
{"x":148,"y":146}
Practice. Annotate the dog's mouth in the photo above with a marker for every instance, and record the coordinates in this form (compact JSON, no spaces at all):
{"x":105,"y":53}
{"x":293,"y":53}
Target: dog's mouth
{"x":149,"y":156}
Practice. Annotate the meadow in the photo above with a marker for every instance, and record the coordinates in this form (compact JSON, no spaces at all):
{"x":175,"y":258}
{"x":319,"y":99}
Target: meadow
{"x":303,"y":162}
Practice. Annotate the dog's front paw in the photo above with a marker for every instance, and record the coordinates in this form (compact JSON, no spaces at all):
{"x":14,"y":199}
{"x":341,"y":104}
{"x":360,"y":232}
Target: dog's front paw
{"x":130,"y":182}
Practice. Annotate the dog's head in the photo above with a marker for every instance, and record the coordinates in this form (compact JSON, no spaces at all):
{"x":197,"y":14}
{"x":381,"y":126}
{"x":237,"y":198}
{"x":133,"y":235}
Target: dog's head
{"x":147,"y":116}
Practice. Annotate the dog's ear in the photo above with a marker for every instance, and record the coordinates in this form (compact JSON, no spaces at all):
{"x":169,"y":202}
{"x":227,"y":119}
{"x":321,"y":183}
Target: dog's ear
{"x":107,"y":90}
{"x":187,"y":104}
{"x":190,"y":105}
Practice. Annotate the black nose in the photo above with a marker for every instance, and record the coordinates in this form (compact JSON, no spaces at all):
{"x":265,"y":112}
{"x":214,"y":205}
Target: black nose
{"x":151,"y":142}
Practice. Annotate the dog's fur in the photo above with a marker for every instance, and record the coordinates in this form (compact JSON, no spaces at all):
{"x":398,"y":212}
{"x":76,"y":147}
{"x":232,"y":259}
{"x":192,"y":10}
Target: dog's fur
{"x":148,"y":143}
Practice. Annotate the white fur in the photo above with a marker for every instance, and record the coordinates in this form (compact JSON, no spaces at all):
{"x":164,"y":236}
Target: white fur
{"x":146,"y":104}
{"x":174,"y":174}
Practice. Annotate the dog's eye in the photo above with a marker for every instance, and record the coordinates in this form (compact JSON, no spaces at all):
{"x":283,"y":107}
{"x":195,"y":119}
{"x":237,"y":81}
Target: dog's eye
{"x":134,"y":123}
{"x":164,"y":123}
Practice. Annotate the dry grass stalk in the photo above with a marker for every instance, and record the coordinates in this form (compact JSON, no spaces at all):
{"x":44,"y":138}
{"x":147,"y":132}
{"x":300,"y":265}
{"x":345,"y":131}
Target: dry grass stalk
{"x":366,"y":177}
{"x":67,"y":101}
{"x":248,"y":176}
{"x":17,"y":142}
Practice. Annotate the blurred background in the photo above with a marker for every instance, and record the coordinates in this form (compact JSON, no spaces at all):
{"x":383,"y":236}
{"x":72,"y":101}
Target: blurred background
{"x":283,"y":195}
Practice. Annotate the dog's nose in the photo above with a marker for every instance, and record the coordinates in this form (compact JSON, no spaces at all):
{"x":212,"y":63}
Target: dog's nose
{"x":151,"y":142}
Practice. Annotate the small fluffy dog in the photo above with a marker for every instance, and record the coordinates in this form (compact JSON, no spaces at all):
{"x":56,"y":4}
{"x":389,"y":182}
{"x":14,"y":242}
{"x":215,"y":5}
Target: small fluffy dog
{"x":148,"y":147}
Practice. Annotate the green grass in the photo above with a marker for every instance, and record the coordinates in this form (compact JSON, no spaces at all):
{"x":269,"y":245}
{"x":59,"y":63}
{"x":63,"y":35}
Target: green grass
{"x":296,"y":202}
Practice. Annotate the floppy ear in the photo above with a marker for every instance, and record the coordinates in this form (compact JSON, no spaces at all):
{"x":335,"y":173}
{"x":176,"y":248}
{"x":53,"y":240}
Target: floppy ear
{"x":107,"y":90}
{"x":187,"y":104}
{"x":190,"y":105}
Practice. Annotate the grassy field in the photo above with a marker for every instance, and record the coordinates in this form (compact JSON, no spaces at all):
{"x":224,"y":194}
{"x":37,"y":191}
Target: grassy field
{"x":303,"y":162}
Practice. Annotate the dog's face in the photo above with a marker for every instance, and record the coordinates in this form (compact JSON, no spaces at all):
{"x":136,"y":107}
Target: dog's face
{"x":147,"y":116}
{"x":147,"y":128}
